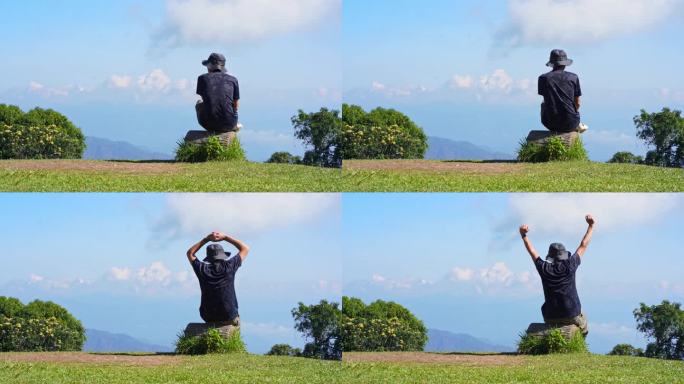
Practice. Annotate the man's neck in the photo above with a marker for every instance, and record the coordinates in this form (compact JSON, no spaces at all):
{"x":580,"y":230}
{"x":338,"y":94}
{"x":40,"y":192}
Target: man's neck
{"x":559,"y":68}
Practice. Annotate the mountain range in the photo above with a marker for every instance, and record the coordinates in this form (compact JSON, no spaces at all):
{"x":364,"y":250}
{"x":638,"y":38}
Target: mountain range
{"x":101,"y":341}
{"x":445,"y":341}
{"x":440,"y":148}
{"x":98,"y":148}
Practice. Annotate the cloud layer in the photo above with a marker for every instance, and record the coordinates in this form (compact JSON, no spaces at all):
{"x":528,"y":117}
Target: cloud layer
{"x":533,"y":22}
{"x":239,"y":21}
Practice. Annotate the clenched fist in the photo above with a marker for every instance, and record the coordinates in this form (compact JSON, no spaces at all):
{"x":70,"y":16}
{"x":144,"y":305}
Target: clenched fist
{"x":589,"y":219}
{"x":524,"y":229}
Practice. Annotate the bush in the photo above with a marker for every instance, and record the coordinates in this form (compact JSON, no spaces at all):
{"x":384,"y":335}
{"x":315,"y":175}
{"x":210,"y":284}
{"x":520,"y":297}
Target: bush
{"x":212,"y":150}
{"x":284,"y":158}
{"x":38,"y":134}
{"x":553,"y":342}
{"x":210,"y":342}
{"x":380,"y":326}
{"x":38,"y":326}
{"x":284,"y":350}
{"x":626,"y":158}
{"x":320,"y":326}
{"x":664,"y":132}
{"x":626,"y":350}
{"x":554,"y":149}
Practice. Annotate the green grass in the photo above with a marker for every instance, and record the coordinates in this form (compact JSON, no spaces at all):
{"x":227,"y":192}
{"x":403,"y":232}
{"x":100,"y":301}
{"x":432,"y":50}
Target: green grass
{"x":258,"y":177}
{"x":233,"y":368}
{"x":572,"y":368}
{"x":553,"y":342}
{"x":582,"y":368}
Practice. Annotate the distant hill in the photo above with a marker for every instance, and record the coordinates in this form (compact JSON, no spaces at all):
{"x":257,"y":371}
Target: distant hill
{"x":101,"y":341}
{"x":104,"y":149}
{"x":444,"y":341}
{"x":446,"y":149}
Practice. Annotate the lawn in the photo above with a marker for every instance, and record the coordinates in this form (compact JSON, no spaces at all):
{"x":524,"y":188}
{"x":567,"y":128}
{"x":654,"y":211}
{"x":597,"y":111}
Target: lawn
{"x":357,"y":176}
{"x":360,"y":368}
{"x":579,"y":368}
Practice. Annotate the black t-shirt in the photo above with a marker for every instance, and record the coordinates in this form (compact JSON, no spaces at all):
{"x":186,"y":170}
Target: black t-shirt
{"x":559,"y":89}
{"x":217,"y":281}
{"x":219,"y":90}
{"x":560,"y":292}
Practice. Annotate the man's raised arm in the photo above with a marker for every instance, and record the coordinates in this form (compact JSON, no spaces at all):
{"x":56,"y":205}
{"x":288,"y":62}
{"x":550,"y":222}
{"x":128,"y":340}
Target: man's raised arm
{"x":242,"y":247}
{"x":528,"y":244}
{"x":587,"y":236}
{"x":196,"y":247}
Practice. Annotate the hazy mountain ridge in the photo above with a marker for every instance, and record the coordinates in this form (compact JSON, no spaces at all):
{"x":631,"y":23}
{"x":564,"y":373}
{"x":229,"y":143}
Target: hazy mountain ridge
{"x":445,"y":341}
{"x":102,"y":341}
{"x":440,"y":148}
{"x":98,"y":148}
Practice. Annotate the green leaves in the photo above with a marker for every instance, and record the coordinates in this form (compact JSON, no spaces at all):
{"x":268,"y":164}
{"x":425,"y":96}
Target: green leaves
{"x":212,"y":150}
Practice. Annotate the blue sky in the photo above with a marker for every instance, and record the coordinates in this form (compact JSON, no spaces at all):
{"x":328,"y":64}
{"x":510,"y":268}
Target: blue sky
{"x":457,"y":262}
{"x":467,"y":70}
{"x":127,"y":70}
{"x":117,"y":261}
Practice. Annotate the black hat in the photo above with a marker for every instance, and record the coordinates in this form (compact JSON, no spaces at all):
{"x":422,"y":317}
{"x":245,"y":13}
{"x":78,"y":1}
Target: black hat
{"x":558,"y":57}
{"x":215,"y":253}
{"x":214,"y":58}
{"x":557,"y":252}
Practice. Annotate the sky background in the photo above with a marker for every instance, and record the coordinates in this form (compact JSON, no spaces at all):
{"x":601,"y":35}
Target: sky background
{"x":467,"y":70}
{"x":457,"y":261}
{"x":127,"y":69}
{"x":117,"y":261}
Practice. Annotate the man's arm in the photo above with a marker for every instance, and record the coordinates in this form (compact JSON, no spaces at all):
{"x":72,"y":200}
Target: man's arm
{"x":528,"y":244}
{"x":243,"y":249}
{"x":587,"y":236}
{"x":191,"y":252}
{"x":578,"y":100}
{"x":236,"y":105}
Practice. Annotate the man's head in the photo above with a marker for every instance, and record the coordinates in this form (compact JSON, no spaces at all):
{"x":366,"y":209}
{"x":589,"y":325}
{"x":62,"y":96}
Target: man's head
{"x":215,"y":63}
{"x":558,"y":58}
{"x":216,"y":253}
{"x":557,"y":252}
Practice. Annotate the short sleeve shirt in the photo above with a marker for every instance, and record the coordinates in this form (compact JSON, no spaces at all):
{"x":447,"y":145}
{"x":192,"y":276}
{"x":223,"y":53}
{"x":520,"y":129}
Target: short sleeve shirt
{"x":219,"y":90}
{"x":560,"y":292}
{"x":559,"y":89}
{"x":217,"y":282}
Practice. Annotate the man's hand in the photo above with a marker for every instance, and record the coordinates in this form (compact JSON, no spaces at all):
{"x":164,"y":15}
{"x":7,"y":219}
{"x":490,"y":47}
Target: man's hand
{"x":214,"y":236}
{"x":590,"y":219}
{"x":524,"y":229}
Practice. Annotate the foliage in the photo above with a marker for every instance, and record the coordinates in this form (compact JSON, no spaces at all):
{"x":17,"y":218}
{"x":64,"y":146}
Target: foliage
{"x":380,"y":326}
{"x":554,"y":149}
{"x":319,"y":323}
{"x":284,"y":350}
{"x":380,"y":134}
{"x":626,"y":158}
{"x":663,"y":130}
{"x":664,"y":324}
{"x":38,"y":134}
{"x":211,"y":150}
{"x":210,"y":342}
{"x":553,"y":342}
{"x":626,"y":350}
{"x":319,"y":131}
{"x":38,"y":326}
{"x":284,"y":158}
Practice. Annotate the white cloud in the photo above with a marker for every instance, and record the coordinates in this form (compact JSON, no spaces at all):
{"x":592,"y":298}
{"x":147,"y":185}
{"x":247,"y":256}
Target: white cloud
{"x":576,"y":21}
{"x":563,"y":214}
{"x":239,"y":21}
{"x":120,"y":81}
{"x":378,"y":86}
{"x":197,"y":214}
{"x":156,"y":80}
{"x":48,"y":92}
{"x":378,"y":278}
{"x":496,"y":274}
{"x":608,"y":137}
{"x":462,"y":274}
{"x":498,"y":80}
{"x":460,"y":81}
{"x":36,"y":278}
{"x":119,"y":273}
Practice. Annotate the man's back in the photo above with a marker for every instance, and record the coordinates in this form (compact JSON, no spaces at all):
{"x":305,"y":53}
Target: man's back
{"x":219,"y":90}
{"x":560,"y":88}
{"x":217,"y":282}
{"x":560,"y":291}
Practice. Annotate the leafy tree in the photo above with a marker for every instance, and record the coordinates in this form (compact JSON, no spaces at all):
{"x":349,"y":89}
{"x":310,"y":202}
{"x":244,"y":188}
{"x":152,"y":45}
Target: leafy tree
{"x":626,"y":350}
{"x":319,"y":323}
{"x":665,"y":131}
{"x":319,"y":131}
{"x":284,"y":350}
{"x":10,"y":307}
{"x":380,"y":326}
{"x":10,"y":114}
{"x":284,"y":158}
{"x":626,"y":158}
{"x":664,"y":324}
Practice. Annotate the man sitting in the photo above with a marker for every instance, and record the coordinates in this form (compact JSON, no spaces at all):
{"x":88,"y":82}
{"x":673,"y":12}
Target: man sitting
{"x":220,"y":92}
{"x":561,"y":302}
{"x":561,"y":91}
{"x":216,"y":277}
